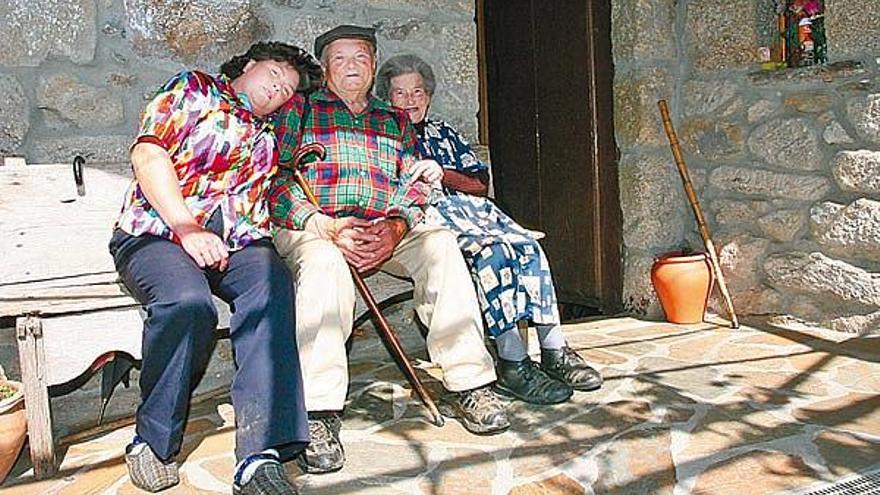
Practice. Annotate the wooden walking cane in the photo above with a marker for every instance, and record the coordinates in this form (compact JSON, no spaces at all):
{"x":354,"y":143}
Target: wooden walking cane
{"x":698,"y":212}
{"x":385,"y":331}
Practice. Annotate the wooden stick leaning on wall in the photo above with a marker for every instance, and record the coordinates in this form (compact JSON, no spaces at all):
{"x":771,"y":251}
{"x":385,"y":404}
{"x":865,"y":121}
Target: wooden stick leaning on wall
{"x":698,"y":212}
{"x":385,"y":331}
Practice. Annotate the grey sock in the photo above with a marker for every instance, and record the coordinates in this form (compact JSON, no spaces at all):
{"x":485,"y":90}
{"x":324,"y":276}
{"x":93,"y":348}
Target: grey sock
{"x":511,"y":346}
{"x":550,"y":337}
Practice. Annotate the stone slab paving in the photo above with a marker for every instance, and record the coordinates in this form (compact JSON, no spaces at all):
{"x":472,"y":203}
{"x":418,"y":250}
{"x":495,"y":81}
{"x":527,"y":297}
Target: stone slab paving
{"x":698,"y":409}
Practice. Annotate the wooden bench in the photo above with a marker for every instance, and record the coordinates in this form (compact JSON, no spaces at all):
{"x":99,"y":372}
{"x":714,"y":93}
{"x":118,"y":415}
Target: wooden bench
{"x":58,"y":282}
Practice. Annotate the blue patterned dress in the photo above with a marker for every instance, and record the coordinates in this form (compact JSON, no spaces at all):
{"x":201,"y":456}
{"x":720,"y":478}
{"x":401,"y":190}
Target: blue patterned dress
{"x":509,"y":268}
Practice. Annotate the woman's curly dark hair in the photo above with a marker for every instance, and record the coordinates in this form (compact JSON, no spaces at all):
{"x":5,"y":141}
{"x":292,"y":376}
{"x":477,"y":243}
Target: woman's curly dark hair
{"x":306,"y":65}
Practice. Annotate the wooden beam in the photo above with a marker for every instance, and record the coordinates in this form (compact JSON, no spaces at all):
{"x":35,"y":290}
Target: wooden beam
{"x":483,"y":111}
{"x":32,"y":357}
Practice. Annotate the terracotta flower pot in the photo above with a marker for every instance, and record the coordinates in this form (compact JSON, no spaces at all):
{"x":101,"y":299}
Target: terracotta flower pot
{"x":683,"y":283}
{"x":13,"y":428}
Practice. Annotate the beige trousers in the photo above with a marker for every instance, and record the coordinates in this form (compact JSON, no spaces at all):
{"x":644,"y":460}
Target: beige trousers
{"x":325,"y":297}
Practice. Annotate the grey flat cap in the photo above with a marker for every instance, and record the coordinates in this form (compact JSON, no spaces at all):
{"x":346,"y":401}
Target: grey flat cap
{"x":345,"y":31}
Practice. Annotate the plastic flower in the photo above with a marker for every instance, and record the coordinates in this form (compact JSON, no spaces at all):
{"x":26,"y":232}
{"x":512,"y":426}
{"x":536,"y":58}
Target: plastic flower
{"x":812,"y":7}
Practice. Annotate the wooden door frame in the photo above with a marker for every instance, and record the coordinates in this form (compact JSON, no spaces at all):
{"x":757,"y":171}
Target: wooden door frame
{"x":607,"y":217}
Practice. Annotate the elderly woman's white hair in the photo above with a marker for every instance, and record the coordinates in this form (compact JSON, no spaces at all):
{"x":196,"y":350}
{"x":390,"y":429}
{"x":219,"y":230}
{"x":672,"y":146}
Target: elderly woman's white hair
{"x":400,"y":65}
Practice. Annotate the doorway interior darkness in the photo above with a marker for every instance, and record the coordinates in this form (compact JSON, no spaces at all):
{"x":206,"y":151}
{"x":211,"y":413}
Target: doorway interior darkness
{"x":546,"y":112}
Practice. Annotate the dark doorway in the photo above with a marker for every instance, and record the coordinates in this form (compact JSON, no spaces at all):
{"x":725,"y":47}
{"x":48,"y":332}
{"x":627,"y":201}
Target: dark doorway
{"x":547,"y":82}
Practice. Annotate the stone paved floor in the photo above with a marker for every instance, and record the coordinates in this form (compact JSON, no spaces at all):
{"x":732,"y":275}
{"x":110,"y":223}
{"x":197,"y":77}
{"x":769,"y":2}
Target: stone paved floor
{"x":692,"y":409}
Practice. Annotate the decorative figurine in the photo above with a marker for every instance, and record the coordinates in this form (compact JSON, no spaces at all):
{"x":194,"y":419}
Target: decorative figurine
{"x":805,"y":33}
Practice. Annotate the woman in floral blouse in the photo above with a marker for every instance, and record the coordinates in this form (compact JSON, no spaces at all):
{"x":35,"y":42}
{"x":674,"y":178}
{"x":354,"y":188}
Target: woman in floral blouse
{"x":509,"y":268}
{"x":195,"y":223}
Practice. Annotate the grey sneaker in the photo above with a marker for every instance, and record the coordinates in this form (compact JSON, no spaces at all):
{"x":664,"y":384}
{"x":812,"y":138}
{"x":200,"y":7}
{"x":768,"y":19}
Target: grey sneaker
{"x":324,"y":454}
{"x":268,"y":479}
{"x":147,"y":471}
{"x":479,"y":410}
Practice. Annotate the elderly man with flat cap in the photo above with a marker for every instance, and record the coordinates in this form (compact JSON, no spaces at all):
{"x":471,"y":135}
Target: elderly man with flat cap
{"x":369,"y":217}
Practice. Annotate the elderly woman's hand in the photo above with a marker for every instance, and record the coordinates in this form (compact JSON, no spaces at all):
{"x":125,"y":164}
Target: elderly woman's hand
{"x":428,"y":171}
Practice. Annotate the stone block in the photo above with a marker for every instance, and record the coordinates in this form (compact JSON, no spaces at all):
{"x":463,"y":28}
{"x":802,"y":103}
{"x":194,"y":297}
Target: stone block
{"x":861,"y":413}
{"x":809,"y":102}
{"x":400,"y":29}
{"x":95,"y":149}
{"x":860,"y":324}
{"x":451,"y":8}
{"x":852,"y":29}
{"x":857,"y":171}
{"x":783,"y":225}
{"x":636,"y":120}
{"x":65,"y":100}
{"x":307,"y":27}
{"x":709,"y":97}
{"x":721,"y":36}
{"x":122,"y":79}
{"x":759,"y":182}
{"x":638,"y":292}
{"x":859,"y":87}
{"x":739,"y":213}
{"x":740,"y":257}
{"x":204,"y":32}
{"x":828,"y":280}
{"x":805,"y":310}
{"x":864,"y":112}
{"x":14,"y":114}
{"x":778,"y":471}
{"x":788,"y":143}
{"x":846,"y":453}
{"x":31,"y":32}
{"x":559,"y":484}
{"x":709,"y":138}
{"x":652,"y":201}
{"x":294,"y":4}
{"x":639,"y":461}
{"x":459,"y":63}
{"x":640,"y":30}
{"x":851,"y":231}
{"x":756,"y":300}
{"x":761,"y":109}
{"x":818,"y":75}
{"x":834,"y":133}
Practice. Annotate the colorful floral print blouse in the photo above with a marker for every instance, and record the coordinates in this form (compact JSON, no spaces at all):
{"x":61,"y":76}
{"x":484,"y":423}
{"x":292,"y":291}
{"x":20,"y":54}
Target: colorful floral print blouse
{"x":224,"y":156}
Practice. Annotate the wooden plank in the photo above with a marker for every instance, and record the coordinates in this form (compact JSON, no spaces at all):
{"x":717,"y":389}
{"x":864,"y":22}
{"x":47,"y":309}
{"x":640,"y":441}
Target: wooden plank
{"x":60,"y":295}
{"x":74,"y":342}
{"x":32,"y":359}
{"x":47,"y":231}
{"x":54,"y":242}
{"x":66,"y":300}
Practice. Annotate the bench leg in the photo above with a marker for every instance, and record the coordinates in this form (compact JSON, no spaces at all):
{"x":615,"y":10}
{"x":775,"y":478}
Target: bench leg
{"x":32,"y":357}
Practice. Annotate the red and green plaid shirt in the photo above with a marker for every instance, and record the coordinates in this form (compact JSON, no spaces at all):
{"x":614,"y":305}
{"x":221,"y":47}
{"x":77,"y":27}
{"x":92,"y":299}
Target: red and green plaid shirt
{"x":364,"y":173}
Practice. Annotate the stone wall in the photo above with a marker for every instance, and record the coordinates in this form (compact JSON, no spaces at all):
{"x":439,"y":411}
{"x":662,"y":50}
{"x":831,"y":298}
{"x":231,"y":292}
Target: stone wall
{"x":74,"y":74}
{"x":785,"y":163}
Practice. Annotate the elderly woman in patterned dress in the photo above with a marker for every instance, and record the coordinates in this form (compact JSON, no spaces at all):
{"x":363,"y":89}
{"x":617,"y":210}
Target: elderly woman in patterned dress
{"x":509,"y":268}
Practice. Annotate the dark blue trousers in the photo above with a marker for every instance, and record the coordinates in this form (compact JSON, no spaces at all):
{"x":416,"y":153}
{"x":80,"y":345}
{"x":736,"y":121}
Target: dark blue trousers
{"x":179,"y":336}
